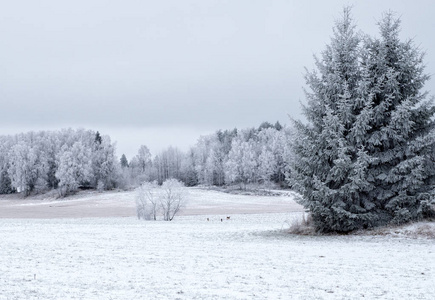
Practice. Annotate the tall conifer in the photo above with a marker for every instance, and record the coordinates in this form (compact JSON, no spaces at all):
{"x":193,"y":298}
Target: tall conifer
{"x":365,"y":156}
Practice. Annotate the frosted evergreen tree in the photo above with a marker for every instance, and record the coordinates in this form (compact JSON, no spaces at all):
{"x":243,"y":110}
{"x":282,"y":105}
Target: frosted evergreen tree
{"x":98,"y":138}
{"x":124,"y":161}
{"x":188,"y":169}
{"x":364,"y":158}
{"x":400,"y":136}
{"x":104,"y":164}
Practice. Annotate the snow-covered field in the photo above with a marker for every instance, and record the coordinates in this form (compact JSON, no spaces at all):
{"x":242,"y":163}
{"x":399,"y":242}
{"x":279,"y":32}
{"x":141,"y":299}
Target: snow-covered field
{"x":249,"y":256}
{"x":122,"y":204}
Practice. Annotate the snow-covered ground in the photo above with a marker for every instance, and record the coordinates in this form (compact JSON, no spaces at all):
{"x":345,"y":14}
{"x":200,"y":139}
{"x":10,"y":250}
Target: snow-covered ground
{"x":122,"y":204}
{"x":249,"y":256}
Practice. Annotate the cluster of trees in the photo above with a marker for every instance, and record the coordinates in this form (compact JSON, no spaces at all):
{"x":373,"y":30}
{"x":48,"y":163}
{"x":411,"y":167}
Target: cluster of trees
{"x":255,"y":155}
{"x":67,"y":160}
{"x":64,"y":160}
{"x":366,"y":156}
{"x":241,"y":157}
{"x":143,"y":167}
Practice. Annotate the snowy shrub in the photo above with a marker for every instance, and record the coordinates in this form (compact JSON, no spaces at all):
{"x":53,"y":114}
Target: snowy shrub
{"x":425,"y":230}
{"x":302,"y":226}
{"x":147,"y":201}
{"x":104,"y":163}
{"x":167,"y":199}
{"x":173,"y":198}
{"x":142,"y":206}
{"x":365,"y":156}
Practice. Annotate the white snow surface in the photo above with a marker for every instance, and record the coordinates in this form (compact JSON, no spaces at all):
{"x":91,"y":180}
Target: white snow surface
{"x":249,"y":256}
{"x":122,"y":204}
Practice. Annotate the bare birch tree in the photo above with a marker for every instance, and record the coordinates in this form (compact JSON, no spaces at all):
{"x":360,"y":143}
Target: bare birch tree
{"x":173,"y":198}
{"x":147,"y":201}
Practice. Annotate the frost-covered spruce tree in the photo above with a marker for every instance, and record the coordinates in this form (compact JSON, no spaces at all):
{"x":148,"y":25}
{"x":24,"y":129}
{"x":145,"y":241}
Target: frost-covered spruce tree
{"x":363,"y":158}
{"x":400,"y":136}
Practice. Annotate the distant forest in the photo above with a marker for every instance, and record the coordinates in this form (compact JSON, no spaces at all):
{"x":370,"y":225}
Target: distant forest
{"x":69,"y":160}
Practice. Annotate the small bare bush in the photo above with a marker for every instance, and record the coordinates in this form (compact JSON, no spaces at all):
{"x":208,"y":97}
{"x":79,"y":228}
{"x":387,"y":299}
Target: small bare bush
{"x":426,"y":231}
{"x":173,"y":198}
{"x":147,"y":200}
{"x":302,"y":226}
{"x":167,"y":199}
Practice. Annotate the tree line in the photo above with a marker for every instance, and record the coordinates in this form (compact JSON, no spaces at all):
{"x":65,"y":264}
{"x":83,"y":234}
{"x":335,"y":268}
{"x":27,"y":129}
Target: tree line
{"x":65,"y":160}
{"x":229,"y":157}
{"x":69,"y":160}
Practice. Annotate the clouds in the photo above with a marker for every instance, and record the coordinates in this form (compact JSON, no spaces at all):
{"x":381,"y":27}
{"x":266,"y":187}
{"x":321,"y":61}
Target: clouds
{"x":149,"y":64}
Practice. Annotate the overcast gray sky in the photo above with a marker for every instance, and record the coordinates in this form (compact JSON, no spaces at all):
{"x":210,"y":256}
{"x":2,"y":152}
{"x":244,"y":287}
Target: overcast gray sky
{"x":162,"y":73}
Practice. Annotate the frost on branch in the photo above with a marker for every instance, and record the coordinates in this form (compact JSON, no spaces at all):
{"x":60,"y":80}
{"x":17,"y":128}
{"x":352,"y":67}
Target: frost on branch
{"x":167,"y":199}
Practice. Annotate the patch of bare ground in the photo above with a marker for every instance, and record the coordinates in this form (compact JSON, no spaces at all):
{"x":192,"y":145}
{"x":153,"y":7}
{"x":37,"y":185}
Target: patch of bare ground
{"x":252,"y":190}
{"x":302,"y":226}
{"x":422,"y":229}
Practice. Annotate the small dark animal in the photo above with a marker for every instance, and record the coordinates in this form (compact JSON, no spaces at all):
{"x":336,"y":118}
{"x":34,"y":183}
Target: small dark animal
{"x":221,"y":220}
{"x":208,"y":219}
{"x":228,"y":218}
